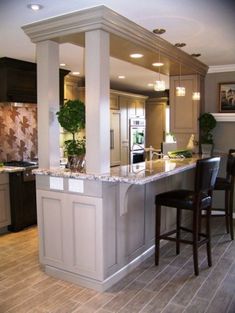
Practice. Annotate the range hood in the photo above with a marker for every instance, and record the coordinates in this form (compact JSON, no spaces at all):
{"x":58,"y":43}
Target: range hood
{"x":18,"y":81}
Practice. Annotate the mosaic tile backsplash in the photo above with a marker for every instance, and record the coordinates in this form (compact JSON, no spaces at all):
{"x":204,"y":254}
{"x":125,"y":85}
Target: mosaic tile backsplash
{"x":18,"y":132}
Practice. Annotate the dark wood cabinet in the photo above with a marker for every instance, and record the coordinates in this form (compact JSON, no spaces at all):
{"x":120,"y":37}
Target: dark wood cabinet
{"x":22,"y":202}
{"x":18,"y":81}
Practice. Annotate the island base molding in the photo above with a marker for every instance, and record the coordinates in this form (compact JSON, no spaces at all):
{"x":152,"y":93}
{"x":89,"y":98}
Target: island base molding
{"x":95,"y":284}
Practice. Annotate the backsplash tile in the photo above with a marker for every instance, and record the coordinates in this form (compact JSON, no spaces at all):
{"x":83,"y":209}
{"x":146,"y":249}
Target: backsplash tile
{"x":18,"y":132}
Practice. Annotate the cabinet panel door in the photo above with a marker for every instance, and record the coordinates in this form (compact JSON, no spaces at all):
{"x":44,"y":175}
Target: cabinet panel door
{"x":115,"y":145}
{"x":140,"y":108}
{"x":114,"y":103}
{"x":5,"y":218}
{"x":184,"y":110}
{"x":155,"y":126}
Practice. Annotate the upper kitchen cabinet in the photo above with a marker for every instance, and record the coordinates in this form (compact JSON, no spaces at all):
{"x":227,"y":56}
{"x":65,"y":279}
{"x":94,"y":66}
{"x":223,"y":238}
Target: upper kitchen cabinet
{"x":114,"y":101}
{"x":72,"y":89}
{"x":18,"y":81}
{"x":184,"y":110}
{"x":136,"y":107}
{"x":155,"y":121}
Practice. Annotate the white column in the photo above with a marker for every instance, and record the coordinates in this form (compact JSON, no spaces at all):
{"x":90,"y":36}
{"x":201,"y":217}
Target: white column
{"x":97,"y":101}
{"x":48,"y":103}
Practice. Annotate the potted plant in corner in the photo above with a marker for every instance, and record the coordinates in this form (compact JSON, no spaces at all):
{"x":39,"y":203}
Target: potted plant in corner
{"x":71,"y":117}
{"x":207,"y":122}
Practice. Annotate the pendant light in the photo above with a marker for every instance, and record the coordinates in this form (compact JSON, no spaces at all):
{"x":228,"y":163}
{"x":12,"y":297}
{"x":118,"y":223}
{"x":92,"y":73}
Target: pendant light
{"x":196,"y":94}
{"x":159,"y":84}
{"x":180,"y":91}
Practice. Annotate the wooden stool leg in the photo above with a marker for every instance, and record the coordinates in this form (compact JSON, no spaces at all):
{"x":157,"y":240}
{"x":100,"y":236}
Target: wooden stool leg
{"x":195,"y":241}
{"x":208,"y":234}
{"x":231,"y":214}
{"x":157,"y":233}
{"x":227,"y":213}
{"x":178,"y":224}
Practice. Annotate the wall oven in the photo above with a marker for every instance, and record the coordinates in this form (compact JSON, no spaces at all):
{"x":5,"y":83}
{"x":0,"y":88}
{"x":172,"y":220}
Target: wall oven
{"x":137,"y":140}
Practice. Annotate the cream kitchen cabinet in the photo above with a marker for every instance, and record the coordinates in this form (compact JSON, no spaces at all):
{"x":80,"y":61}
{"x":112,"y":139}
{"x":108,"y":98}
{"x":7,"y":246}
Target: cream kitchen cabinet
{"x":136,"y":107}
{"x":155,"y":121}
{"x":184,"y":111}
{"x":5,"y":215}
{"x":70,"y":232}
{"x":115,"y":140}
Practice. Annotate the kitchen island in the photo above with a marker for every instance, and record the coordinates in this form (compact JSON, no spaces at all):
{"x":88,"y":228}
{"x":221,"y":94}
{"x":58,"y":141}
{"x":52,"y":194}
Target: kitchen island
{"x":94,"y":229}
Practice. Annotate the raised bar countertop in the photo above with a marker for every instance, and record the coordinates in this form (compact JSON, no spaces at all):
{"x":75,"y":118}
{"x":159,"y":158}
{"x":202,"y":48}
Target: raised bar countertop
{"x":139,"y":174}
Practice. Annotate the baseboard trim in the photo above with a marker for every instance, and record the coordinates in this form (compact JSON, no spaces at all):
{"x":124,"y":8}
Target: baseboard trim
{"x":95,"y":284}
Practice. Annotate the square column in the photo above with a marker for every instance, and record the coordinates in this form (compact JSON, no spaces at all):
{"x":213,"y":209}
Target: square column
{"x":97,"y":101}
{"x":48,"y":103}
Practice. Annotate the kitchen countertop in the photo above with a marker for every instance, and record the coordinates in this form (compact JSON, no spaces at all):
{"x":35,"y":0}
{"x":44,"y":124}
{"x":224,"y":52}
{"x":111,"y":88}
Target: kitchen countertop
{"x":11,"y":169}
{"x":139,"y":173}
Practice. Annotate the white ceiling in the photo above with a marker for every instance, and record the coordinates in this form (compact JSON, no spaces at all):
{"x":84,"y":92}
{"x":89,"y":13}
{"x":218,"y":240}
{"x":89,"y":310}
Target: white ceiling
{"x":206,"y":26}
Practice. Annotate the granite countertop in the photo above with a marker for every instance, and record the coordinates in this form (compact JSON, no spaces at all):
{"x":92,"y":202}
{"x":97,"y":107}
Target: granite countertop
{"x":140,"y":173}
{"x":11,"y":169}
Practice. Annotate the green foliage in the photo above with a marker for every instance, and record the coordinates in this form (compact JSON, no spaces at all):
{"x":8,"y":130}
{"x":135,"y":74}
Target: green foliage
{"x":207,"y":122}
{"x":71,"y":117}
{"x":75,"y":147}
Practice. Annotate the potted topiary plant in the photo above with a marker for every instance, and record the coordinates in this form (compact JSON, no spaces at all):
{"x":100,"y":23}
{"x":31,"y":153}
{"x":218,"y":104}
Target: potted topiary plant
{"x":71,"y":117}
{"x":207,"y":122}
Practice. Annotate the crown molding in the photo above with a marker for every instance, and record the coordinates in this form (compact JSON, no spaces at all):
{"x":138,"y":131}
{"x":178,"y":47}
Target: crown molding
{"x":221,"y":68}
{"x":124,"y":34}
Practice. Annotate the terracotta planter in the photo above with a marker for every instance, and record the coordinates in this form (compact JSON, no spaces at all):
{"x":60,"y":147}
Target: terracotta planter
{"x":76,"y":162}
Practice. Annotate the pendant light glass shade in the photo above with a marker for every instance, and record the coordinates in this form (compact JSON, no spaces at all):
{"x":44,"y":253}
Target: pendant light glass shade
{"x":159,"y":85}
{"x":196,"y":95}
{"x":180,"y":91}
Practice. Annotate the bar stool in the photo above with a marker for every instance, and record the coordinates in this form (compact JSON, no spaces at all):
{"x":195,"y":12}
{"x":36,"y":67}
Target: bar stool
{"x":227,"y":184}
{"x":195,"y":201}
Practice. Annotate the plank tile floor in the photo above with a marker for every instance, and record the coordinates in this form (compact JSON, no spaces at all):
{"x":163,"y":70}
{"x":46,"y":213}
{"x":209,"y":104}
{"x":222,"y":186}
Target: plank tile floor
{"x":169,"y":288}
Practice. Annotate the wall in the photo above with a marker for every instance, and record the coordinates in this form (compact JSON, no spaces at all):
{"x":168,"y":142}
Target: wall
{"x":224,"y":131}
{"x":18,"y":132}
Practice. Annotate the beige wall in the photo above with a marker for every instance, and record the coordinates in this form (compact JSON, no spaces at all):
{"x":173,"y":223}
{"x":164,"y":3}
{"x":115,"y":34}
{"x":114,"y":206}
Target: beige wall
{"x":224,"y":131}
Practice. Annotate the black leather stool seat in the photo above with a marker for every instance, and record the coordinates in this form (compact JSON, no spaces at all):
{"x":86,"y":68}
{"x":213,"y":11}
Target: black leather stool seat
{"x":183,"y":199}
{"x":195,"y":201}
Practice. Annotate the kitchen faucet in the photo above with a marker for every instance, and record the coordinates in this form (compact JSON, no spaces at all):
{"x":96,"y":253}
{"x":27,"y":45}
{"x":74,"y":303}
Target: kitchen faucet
{"x":152,"y":152}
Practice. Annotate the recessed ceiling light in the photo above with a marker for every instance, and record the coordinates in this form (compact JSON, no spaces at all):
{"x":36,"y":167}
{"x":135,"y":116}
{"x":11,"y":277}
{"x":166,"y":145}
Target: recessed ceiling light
{"x":180,"y":44}
{"x":34,"y":6}
{"x":75,"y":73}
{"x":196,"y":55}
{"x":121,"y":77}
{"x":159,"y":31}
{"x":136,"y":55}
{"x":157,"y":64}
{"x":62,"y":64}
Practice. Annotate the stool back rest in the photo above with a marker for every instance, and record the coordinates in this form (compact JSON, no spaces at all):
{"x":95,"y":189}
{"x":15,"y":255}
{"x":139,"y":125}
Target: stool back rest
{"x":231,"y":166}
{"x":206,"y":173}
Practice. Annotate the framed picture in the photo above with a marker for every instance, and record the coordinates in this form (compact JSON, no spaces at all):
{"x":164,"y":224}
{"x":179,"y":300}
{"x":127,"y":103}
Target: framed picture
{"x":227,"y":97}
